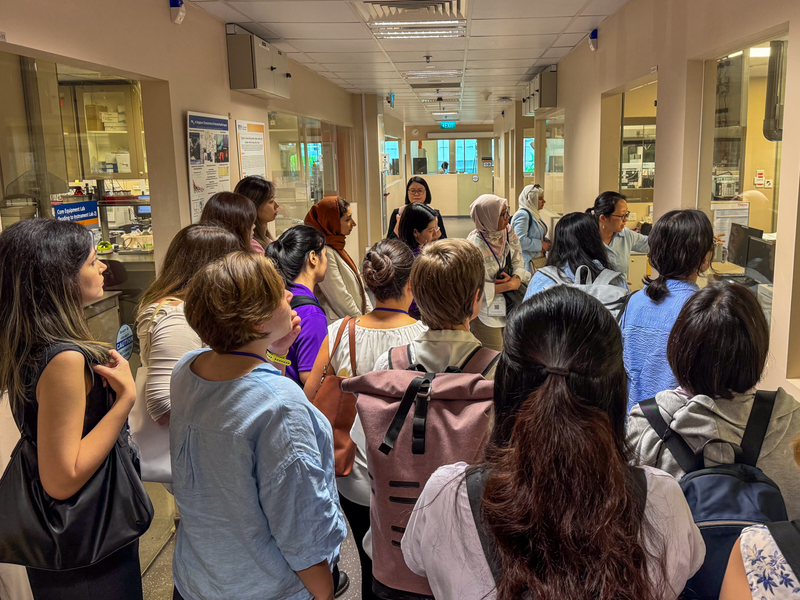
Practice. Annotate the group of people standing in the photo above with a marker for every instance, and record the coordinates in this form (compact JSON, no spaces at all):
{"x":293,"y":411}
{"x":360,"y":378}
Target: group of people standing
{"x":577,"y":497}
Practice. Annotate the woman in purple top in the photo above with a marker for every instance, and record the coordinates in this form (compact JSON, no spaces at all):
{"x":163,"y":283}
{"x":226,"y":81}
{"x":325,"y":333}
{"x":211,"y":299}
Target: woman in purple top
{"x":418,"y":226}
{"x":300,"y":257}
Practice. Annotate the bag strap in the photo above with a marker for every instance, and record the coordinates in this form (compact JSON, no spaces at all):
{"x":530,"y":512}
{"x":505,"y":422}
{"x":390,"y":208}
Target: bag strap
{"x":552,"y":273}
{"x":578,"y":272}
{"x":680,"y":450}
{"x":158,"y":308}
{"x":482,"y":360}
{"x":400,"y":358}
{"x":352,"y":342}
{"x":640,"y":485}
{"x":298,"y":301}
{"x":419,"y":387}
{"x":787,"y":537}
{"x":476,"y":480}
{"x":606,"y":277}
{"x":339,"y":335}
{"x":757,"y":424}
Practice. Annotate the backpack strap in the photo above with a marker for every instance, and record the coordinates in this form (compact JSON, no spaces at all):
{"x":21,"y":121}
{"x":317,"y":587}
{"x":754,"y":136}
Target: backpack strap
{"x":757,"y":424}
{"x":578,"y":272}
{"x":476,"y":480}
{"x":553,"y":274}
{"x":482,"y":360}
{"x":606,"y":277}
{"x":787,"y":537}
{"x":680,"y":450}
{"x":419,"y":387}
{"x":400,"y":358}
{"x":298,"y":301}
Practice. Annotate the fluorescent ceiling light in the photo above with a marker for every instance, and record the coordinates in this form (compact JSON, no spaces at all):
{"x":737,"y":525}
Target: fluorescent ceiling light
{"x":445,"y":73}
{"x":759,"y":52}
{"x":443,"y":114}
{"x":415,"y":23}
{"x":416,"y":35}
{"x":735,"y":54}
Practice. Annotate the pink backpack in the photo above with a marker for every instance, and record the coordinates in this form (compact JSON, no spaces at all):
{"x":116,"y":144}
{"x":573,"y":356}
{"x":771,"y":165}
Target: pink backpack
{"x":449,"y":423}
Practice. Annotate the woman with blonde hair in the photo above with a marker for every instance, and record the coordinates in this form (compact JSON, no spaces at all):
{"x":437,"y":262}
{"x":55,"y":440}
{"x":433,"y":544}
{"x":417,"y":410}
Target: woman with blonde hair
{"x":505,"y":267}
{"x":342,"y":292}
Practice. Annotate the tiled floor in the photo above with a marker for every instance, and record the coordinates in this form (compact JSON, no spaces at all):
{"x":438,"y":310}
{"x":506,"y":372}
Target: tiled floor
{"x":157,"y":581}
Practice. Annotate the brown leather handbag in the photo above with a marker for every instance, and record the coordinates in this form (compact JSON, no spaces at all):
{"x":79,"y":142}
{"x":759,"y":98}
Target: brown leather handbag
{"x":338,"y":407}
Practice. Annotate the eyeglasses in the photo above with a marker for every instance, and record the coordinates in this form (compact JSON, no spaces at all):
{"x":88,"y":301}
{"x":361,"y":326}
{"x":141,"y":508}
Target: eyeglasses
{"x":416,"y":192}
{"x":623,"y":217}
{"x":504,"y":214}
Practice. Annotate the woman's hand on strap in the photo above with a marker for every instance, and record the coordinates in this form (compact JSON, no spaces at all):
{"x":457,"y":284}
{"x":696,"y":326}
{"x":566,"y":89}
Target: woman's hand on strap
{"x":118,"y":374}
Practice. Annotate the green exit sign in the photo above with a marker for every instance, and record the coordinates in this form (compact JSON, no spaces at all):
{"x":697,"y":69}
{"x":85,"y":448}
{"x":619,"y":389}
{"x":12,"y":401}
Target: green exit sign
{"x":447,"y":124}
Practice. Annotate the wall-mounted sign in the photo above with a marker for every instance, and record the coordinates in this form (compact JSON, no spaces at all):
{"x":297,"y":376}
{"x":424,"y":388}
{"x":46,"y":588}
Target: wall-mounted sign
{"x":252,"y":157}
{"x":209,"y":159}
{"x":124,"y":343}
{"x":447,"y":124}
{"x":84,"y":213}
{"x":487,"y":161}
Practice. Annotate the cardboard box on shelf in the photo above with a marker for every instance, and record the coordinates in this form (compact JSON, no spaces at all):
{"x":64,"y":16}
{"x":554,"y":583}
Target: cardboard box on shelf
{"x":94,"y":122}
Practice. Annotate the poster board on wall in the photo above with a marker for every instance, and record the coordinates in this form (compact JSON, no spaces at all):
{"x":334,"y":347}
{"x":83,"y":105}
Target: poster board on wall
{"x":252,"y":148}
{"x":209,"y":159}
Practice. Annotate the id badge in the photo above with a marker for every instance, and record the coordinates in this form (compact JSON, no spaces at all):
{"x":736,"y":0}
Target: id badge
{"x":498,"y":306}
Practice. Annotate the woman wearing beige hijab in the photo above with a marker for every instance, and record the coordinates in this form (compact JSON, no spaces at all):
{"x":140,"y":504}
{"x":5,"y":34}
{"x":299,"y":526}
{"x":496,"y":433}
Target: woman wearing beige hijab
{"x":497,"y":241}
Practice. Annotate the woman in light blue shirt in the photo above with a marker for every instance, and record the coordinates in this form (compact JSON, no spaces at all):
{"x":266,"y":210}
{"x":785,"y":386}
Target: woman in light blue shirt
{"x":530,"y":228}
{"x":681,"y":246}
{"x":252,"y":459}
{"x":576,"y":242}
{"x":611,"y":211}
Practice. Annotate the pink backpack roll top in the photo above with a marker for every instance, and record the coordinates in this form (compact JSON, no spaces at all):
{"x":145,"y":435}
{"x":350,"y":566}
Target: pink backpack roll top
{"x":414,"y":423}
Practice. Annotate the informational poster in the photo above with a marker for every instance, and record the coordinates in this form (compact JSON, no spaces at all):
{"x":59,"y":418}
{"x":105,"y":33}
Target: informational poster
{"x":726,"y":213}
{"x":84,"y":213}
{"x":209,"y":159}
{"x":252,"y":154}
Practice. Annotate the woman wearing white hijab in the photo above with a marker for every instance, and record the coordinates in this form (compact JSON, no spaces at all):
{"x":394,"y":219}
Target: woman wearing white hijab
{"x":530,"y":227}
{"x":496,"y":240}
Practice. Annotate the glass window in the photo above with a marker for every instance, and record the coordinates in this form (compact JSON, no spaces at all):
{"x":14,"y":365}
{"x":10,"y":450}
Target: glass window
{"x":638,"y":153}
{"x":554,"y":162}
{"x":529,"y":157}
{"x":393,"y":150}
{"x":740,"y":162}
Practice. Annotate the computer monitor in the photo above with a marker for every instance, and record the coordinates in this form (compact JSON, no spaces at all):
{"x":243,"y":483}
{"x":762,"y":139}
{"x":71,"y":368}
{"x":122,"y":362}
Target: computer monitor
{"x":143,"y":211}
{"x":761,"y":259}
{"x":739,"y":242}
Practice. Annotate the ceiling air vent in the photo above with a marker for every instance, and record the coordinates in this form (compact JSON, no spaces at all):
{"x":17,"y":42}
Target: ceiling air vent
{"x":414,"y":19}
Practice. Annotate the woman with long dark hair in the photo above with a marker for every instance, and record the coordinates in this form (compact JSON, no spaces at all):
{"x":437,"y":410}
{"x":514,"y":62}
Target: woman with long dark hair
{"x":610,"y":211}
{"x":341,"y":293}
{"x":301,"y":259}
{"x":576,"y":243}
{"x":59,"y":382}
{"x":418,"y":226}
{"x":681,"y":247}
{"x":262,"y":193}
{"x":417,"y":191}
{"x":562,"y":511}
{"x":234,"y":212}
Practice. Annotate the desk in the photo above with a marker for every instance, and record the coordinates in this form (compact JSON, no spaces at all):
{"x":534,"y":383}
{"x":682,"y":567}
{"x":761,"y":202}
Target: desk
{"x":103,"y":317}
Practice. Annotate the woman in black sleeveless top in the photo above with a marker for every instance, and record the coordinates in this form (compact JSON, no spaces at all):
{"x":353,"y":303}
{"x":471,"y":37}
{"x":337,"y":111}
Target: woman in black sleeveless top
{"x":72,"y":405}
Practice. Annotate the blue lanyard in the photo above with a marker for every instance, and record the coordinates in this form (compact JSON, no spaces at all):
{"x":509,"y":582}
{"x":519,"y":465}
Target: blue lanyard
{"x":490,"y":249}
{"x":395,"y":310}
{"x":250,"y":354}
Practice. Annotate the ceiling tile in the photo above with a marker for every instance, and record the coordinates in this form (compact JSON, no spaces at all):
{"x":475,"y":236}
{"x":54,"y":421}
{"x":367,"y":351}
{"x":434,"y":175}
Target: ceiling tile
{"x":442,"y":55}
{"x":511,"y":41}
{"x":315,"y":11}
{"x":222,"y":11}
{"x":497,"y":64}
{"x":584,"y":24}
{"x":509,"y":9}
{"x":546,"y":62}
{"x":604,"y":7}
{"x":300,"y":57}
{"x":506,"y":53}
{"x":427,"y":46}
{"x":327,"y":46}
{"x":321,"y":31}
{"x":497,"y":72}
{"x":259,"y":30}
{"x":283,"y":46}
{"x":358,"y":67}
{"x":512,"y":26}
{"x":422,"y":65}
{"x":569,"y":39}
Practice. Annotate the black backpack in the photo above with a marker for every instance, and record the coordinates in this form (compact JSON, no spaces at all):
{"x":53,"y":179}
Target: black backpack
{"x":724,"y":499}
{"x":476,"y":479}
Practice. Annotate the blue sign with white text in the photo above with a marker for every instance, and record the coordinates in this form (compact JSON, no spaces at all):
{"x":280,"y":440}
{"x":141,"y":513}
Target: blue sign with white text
{"x":125,"y":341}
{"x":84,"y":213}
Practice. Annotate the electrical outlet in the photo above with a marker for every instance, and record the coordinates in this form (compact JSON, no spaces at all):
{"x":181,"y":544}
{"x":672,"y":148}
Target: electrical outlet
{"x":768,"y":184}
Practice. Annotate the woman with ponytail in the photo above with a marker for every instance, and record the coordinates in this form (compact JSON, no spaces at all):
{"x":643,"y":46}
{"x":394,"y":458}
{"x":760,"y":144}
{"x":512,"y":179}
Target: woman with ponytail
{"x":681,"y":247}
{"x":562,"y":513}
{"x":301,"y":259}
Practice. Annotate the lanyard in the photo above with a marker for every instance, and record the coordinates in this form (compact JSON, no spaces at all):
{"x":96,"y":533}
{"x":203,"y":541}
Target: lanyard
{"x":490,"y":249}
{"x":395,"y":310}
{"x":250,"y":354}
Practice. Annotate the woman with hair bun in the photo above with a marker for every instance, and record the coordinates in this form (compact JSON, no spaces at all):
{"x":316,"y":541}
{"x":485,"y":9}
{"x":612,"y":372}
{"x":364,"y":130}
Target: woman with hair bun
{"x":611,"y":211}
{"x":301,"y":258}
{"x":387,"y":270}
{"x":561,"y":511}
{"x":681,"y":246}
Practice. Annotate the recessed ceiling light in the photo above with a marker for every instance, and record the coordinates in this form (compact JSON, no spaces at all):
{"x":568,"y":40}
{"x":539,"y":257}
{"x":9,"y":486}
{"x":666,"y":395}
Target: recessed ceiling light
{"x":759,"y":52}
{"x":427,"y":74}
{"x":415,"y":23}
{"x":443,"y":114}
